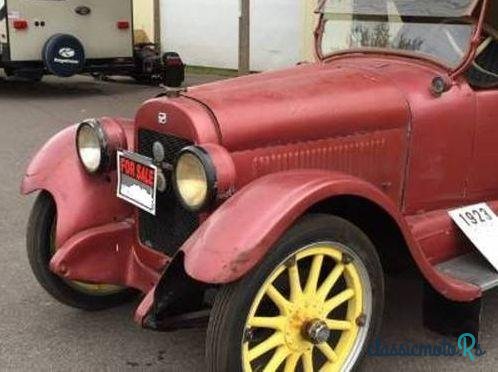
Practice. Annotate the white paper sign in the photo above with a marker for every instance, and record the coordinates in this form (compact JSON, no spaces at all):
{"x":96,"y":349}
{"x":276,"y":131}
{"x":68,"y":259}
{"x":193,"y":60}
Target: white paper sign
{"x":480,"y":225}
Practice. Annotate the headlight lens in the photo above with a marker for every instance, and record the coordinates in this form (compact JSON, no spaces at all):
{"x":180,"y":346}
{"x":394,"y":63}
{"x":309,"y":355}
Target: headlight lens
{"x":194,"y":179}
{"x":90,"y":144}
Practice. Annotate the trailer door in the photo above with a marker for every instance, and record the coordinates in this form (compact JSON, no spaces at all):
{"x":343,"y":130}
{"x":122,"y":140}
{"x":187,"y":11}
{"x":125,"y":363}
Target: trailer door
{"x":104,"y":27}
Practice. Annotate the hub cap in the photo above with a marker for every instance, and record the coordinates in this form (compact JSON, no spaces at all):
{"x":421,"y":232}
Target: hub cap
{"x":306,"y":313}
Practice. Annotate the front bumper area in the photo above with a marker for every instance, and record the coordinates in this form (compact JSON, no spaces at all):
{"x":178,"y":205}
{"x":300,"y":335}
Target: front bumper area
{"x":110,"y":254}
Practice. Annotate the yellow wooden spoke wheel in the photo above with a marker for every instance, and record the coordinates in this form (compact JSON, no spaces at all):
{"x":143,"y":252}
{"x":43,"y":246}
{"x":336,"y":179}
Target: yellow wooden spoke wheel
{"x":320,"y":279}
{"x":312,"y":305}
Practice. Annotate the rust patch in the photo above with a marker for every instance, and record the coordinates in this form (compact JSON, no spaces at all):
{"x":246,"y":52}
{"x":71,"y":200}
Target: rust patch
{"x":240,"y":261}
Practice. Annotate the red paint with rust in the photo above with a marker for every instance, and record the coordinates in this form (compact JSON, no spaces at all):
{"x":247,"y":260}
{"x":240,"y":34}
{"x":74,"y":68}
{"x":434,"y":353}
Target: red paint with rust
{"x":241,"y":230}
{"x":95,"y":235}
{"x":83,"y":201}
{"x":364,"y":125}
{"x":120,"y":260}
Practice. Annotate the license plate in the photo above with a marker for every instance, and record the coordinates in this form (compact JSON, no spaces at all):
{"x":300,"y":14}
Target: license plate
{"x":480,"y":224}
{"x":137,"y":180}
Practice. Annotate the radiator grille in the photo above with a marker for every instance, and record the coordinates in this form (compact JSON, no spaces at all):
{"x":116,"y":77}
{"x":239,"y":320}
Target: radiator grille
{"x":173,"y":224}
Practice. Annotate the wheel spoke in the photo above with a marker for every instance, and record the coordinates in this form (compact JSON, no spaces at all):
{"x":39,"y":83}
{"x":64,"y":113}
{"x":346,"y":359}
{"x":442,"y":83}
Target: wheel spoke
{"x":307,"y":359}
{"x":276,"y":360}
{"x":338,"y":325}
{"x":338,"y":300}
{"x":314,"y":275}
{"x":278,"y":299}
{"x":274,"y":322}
{"x":295,"y":283}
{"x":270,"y":343}
{"x":291,"y":362}
{"x":330,"y":281}
{"x":327,"y":350}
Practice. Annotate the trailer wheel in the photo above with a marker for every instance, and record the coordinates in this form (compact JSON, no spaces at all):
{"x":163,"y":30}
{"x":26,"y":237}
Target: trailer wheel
{"x":41,"y":247}
{"x":63,"y":55}
{"x":314,"y":303}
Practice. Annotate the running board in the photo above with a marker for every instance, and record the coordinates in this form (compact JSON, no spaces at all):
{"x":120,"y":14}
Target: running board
{"x":451,"y":318}
{"x":471,"y":268}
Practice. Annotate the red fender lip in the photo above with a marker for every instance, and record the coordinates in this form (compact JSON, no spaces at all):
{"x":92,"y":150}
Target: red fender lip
{"x":239,"y":234}
{"x":109,"y":254}
{"x":83,"y":200}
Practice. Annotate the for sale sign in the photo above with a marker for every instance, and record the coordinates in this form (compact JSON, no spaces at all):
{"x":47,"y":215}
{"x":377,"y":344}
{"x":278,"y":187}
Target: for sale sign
{"x":137,"y":181}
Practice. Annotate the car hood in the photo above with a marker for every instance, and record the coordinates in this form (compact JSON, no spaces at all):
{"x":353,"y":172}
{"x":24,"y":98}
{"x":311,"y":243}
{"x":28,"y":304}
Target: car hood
{"x":303,"y":103}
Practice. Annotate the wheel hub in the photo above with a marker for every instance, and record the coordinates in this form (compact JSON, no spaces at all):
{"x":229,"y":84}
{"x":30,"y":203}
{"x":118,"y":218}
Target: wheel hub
{"x":316,"y":331}
{"x":304,"y":327}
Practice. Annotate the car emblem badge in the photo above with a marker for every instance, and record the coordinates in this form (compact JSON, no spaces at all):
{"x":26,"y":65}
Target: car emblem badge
{"x":67,"y":52}
{"x":162,"y":118}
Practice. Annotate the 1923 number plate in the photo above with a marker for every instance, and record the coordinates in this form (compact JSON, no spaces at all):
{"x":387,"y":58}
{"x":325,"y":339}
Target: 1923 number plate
{"x":480,"y":225}
{"x":137,"y":180}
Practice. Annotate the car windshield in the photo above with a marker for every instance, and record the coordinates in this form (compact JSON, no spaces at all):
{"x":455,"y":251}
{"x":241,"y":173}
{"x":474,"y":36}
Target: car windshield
{"x":437,"y":29}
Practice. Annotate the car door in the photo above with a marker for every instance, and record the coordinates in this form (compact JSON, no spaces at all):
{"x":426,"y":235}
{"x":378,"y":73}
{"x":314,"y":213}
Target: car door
{"x":483,"y":177}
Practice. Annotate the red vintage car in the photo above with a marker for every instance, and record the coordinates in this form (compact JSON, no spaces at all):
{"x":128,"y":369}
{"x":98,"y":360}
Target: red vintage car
{"x":275,"y":203}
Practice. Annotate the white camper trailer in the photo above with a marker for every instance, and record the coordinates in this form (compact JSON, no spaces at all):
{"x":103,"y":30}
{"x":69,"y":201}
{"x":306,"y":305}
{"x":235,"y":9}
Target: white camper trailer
{"x":69,"y":37}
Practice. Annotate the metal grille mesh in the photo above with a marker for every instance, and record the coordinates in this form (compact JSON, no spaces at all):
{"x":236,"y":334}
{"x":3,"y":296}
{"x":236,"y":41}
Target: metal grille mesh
{"x":173,"y":224}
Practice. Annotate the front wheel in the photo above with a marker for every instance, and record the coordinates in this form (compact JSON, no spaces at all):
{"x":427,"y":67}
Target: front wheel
{"x":41,"y":247}
{"x":314,"y":303}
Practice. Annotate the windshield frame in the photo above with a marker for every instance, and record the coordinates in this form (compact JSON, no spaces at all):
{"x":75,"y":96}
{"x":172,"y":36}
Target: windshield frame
{"x":477,"y":21}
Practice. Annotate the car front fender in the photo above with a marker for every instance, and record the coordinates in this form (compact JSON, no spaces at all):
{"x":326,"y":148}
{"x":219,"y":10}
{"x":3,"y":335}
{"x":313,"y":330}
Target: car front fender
{"x":239,"y":234}
{"x":83,"y":200}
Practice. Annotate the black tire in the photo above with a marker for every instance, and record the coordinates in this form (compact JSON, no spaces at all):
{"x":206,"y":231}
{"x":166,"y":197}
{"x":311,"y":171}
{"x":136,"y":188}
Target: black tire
{"x":39,"y":232}
{"x":227,"y":323}
{"x":64,"y":55}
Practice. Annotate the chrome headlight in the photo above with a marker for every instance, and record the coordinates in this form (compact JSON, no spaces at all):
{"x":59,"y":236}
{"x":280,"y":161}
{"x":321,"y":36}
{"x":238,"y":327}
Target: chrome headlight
{"x":91,"y":145}
{"x":195,"y":178}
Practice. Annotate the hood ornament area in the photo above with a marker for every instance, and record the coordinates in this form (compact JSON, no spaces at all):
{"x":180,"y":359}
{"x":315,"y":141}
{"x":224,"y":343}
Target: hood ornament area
{"x":172,"y":92}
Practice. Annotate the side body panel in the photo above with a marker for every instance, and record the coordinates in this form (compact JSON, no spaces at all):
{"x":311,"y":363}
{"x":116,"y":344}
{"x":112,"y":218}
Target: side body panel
{"x":97,"y":31}
{"x":440,"y":150}
{"x":441,"y":135}
{"x":483,"y":178}
{"x":377,"y":157}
